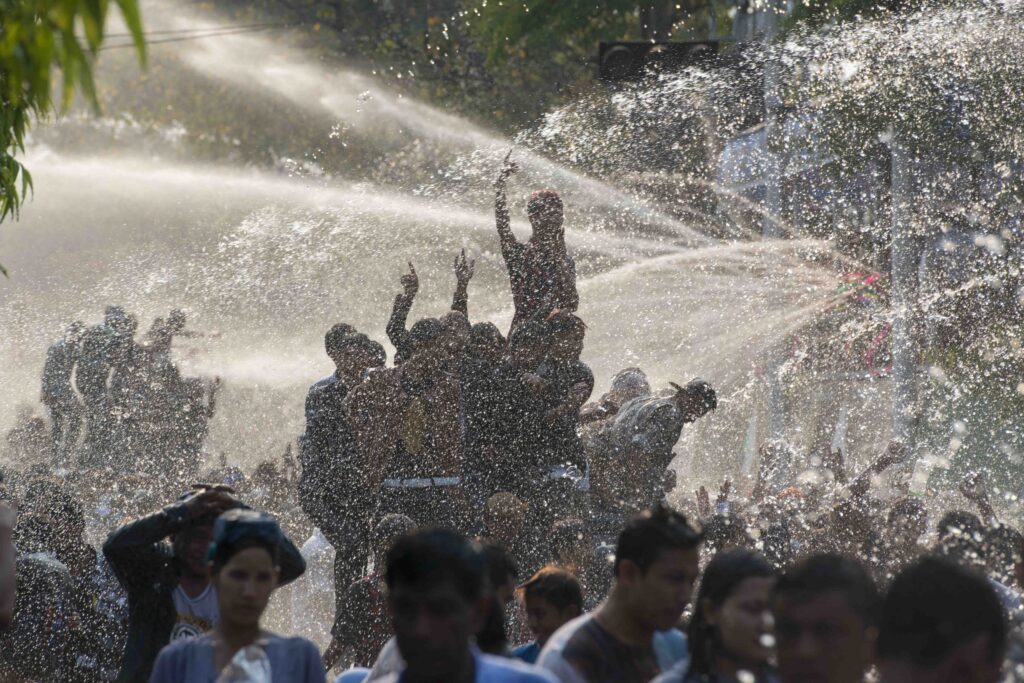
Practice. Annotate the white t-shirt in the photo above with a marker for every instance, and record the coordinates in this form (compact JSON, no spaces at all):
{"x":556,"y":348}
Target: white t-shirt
{"x":195,"y":615}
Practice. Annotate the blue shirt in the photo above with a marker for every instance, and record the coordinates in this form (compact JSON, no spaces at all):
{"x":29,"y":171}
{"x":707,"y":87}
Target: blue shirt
{"x":292,"y":660}
{"x":492,"y":669}
{"x":528,"y":653}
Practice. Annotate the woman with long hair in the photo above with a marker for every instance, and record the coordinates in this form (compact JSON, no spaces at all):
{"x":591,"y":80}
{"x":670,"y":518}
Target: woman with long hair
{"x":244,"y":561}
{"x":730,"y":632}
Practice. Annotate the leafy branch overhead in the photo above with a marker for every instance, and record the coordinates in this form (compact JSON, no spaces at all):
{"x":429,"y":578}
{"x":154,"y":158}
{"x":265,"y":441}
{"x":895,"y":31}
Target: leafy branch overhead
{"x":38,"y":40}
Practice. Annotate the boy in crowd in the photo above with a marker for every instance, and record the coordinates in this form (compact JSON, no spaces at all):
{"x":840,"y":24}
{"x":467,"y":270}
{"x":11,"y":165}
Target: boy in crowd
{"x":552,"y":598}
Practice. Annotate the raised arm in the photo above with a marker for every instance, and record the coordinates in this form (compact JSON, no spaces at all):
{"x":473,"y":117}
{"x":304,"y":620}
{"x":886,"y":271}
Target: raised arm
{"x":510,"y":247}
{"x":463,"y":274}
{"x":397,"y":329}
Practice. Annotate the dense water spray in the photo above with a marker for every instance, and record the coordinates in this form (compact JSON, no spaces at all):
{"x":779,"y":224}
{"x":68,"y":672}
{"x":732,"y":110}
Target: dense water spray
{"x":671,"y":278}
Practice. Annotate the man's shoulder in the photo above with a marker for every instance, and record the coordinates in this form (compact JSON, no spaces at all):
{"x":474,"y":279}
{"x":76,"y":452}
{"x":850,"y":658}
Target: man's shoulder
{"x":504,"y":670}
{"x":565,"y":635}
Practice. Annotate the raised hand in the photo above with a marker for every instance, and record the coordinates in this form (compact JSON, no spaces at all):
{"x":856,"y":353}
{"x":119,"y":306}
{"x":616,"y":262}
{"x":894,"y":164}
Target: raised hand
{"x":723,"y":492}
{"x":410,"y":282}
{"x":508,"y":168}
{"x":464,"y":267}
{"x":703,"y":503}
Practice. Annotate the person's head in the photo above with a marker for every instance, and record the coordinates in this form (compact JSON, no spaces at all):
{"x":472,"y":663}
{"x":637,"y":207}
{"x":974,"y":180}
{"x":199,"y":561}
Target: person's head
{"x":826,"y":612}
{"x":502,"y":571}
{"x":696,"y":399}
{"x":724,"y":531}
{"x":244,"y":564}
{"x":960,"y":540}
{"x":504,"y":517}
{"x":192,"y":542}
{"x":940,"y":622}
{"x":628,"y":384}
{"x":907,"y":522}
{"x":487,"y":343}
{"x":386,"y":531}
{"x":731,"y":616}
{"x":567,"y":332}
{"x":527,"y":343}
{"x":656,"y":565}
{"x":457,"y":331}
{"x":113,"y":315}
{"x":551,"y":598}
{"x":364,"y":354}
{"x":436,"y":594}
{"x":546,"y":215}
{"x":334,"y":342}
{"x":502,"y":575}
{"x":425,"y":334}
{"x":1002,"y":547}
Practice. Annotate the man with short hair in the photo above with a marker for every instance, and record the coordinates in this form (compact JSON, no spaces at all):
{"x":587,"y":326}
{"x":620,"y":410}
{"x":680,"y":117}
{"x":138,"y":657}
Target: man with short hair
{"x":941,"y":622}
{"x":437,"y":596}
{"x":552,"y":598}
{"x":332,"y":490}
{"x":656,"y":565}
{"x":170,"y":595}
{"x":826,"y":611}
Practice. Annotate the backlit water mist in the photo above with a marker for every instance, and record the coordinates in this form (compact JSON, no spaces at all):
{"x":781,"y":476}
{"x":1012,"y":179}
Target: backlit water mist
{"x":265,"y":260}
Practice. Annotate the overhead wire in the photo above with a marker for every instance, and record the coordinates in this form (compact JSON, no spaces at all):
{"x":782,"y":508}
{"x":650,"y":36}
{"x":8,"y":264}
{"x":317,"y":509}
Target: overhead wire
{"x":195,"y":34}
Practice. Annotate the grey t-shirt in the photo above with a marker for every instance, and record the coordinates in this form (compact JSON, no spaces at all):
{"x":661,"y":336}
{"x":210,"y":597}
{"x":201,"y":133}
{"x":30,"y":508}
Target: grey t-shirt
{"x":292,"y":660}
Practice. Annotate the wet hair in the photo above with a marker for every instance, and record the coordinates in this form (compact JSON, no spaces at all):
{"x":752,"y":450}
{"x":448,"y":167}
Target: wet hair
{"x":554,"y":585}
{"x":726,"y":571}
{"x":568,"y":324}
{"x":335,"y":338}
{"x":543,"y":201}
{"x":433,"y":557}
{"x":526,"y":332}
{"x":487,"y":333}
{"x":374,"y":350}
{"x":960,"y":522}
{"x":237,"y":530}
{"x":827,"y":573}
{"x":699,"y":389}
{"x":653,"y":532}
{"x":910,"y":508}
{"x":425,"y":332}
{"x":935,"y":606}
{"x":500,"y":565}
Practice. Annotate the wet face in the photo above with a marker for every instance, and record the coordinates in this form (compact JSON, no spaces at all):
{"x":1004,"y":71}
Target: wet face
{"x":190,"y":547}
{"x":546,"y":219}
{"x":244,"y":586}
{"x":743,"y":621}
{"x":543,"y":618}
{"x":820,"y":639}
{"x":660,"y":594}
{"x":433,"y":626}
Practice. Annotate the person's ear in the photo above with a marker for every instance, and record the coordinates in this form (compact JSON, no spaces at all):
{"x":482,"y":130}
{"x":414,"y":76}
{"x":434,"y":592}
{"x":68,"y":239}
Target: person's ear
{"x":628,"y":573}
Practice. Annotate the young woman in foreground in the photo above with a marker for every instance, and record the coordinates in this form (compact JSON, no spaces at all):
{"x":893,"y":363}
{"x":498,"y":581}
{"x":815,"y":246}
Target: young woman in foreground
{"x":244,"y":566}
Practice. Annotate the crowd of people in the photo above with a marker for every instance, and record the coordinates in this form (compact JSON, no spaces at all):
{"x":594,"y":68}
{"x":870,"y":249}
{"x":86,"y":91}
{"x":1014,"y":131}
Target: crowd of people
{"x":489,"y":520}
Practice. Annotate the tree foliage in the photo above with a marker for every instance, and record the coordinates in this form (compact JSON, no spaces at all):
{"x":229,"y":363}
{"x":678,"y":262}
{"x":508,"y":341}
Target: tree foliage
{"x":40,"y":39}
